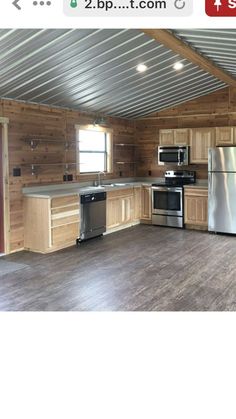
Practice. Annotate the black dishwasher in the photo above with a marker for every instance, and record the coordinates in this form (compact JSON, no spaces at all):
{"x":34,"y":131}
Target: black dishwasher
{"x":92,"y":215}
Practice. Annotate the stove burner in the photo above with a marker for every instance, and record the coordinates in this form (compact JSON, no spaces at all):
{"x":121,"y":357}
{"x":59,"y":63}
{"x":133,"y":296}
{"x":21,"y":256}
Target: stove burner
{"x":177,"y":178}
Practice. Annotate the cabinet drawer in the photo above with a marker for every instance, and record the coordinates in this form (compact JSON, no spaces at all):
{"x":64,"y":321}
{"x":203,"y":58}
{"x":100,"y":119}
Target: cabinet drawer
{"x":120,"y":193}
{"x":64,"y":201}
{"x":65,"y":220}
{"x":61,"y":210}
{"x":196,"y":192}
{"x":65,"y":234}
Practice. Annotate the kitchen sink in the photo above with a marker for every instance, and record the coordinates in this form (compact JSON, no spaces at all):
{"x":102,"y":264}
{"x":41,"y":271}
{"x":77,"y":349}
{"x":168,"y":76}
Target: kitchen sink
{"x":93,"y":187}
{"x":121,"y":184}
{"x":115,"y":184}
{"x":105,"y":185}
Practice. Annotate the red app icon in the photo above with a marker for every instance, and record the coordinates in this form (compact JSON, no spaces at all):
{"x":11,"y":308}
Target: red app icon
{"x":221,"y":8}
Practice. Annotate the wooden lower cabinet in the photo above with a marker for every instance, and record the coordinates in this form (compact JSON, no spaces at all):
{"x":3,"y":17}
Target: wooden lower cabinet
{"x":146,"y":204}
{"x":137,"y":203}
{"x":196,"y":207}
{"x":51,"y":224}
{"x":128,"y":206}
{"x":120,"y":208}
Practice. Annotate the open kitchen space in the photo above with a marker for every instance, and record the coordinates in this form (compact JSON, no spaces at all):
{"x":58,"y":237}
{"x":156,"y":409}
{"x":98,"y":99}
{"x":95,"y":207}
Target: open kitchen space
{"x":118,"y":170}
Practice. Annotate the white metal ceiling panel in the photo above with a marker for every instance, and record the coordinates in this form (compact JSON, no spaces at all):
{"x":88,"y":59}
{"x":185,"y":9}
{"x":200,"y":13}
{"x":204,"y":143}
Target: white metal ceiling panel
{"x":95,"y":70}
{"x":219,"y":45}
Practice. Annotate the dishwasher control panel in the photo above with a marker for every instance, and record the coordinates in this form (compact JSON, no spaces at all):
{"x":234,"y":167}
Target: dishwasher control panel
{"x":93,"y":197}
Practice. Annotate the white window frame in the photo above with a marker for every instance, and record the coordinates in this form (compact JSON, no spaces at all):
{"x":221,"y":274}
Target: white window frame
{"x":109,"y":147}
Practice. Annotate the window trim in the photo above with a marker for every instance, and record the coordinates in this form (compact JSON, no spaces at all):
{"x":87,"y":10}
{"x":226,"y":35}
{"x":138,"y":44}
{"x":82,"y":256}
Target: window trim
{"x":109,"y":148}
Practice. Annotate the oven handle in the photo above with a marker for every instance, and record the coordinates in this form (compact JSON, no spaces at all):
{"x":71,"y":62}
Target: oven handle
{"x":166,"y":188}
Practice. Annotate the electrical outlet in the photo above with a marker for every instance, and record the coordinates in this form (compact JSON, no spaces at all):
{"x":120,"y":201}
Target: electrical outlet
{"x":17,"y":171}
{"x":67,"y":178}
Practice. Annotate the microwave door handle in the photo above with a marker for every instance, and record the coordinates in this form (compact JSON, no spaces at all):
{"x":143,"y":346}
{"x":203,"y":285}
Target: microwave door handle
{"x":178,"y":157}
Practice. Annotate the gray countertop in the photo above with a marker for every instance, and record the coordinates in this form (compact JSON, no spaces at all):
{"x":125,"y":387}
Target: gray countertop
{"x":82,"y":190}
{"x":54,"y":191}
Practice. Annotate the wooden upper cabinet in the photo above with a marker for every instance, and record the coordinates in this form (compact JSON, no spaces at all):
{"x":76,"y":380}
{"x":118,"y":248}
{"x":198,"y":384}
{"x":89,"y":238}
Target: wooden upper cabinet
{"x":166,"y":137}
{"x":174,"y":136}
{"x":181,"y":136}
{"x":225,"y":136}
{"x":201,"y":139}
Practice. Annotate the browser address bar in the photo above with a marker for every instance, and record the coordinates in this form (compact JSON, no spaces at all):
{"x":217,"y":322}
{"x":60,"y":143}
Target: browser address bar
{"x":160,"y":8}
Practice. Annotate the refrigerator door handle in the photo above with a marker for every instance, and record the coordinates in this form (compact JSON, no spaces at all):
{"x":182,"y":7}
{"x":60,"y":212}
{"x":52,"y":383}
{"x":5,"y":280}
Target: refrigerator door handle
{"x":210,"y":201}
{"x":209,"y":160}
{"x":209,"y":183}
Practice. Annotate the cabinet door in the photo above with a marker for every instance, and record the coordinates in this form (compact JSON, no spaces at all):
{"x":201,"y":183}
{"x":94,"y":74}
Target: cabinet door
{"x":65,"y":217}
{"x":113,"y":212}
{"x":201,"y":139}
{"x":224,"y":136}
{"x":146,"y":203}
{"x":166,"y":137}
{"x":137,"y":204}
{"x":196,"y":207}
{"x":63,"y":235}
{"x":127,"y":209}
{"x":181,"y":136}
{"x":120,"y":211}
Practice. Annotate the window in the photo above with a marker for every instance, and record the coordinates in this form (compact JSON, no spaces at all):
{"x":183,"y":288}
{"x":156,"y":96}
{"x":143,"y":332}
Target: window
{"x":94,"y":145}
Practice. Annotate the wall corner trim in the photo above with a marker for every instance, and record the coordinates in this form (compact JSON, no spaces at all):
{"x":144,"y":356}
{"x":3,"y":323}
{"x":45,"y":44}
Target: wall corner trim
{"x":5,"y":165}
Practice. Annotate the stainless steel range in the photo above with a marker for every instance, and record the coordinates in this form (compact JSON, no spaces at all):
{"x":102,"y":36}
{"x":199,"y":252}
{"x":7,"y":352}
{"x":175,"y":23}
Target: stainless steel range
{"x":168,"y":198}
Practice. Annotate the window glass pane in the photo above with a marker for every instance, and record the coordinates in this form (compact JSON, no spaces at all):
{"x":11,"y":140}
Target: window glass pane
{"x":92,"y":162}
{"x":92,"y":140}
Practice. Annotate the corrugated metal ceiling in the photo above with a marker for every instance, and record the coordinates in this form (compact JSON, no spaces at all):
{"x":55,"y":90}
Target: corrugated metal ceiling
{"x":219,"y":45}
{"x":95,"y":70}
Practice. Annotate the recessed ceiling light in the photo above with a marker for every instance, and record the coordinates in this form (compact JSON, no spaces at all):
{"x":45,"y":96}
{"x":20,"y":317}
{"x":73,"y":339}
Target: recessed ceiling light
{"x":141,"y":68}
{"x":178,"y":66}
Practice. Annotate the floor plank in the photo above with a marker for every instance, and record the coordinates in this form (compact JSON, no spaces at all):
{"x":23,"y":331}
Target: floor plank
{"x":143,"y":268}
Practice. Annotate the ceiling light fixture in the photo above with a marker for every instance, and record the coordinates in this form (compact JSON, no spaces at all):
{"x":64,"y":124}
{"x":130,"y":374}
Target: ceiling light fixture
{"x":141,"y":68}
{"x":100,"y":120}
{"x":178,"y":66}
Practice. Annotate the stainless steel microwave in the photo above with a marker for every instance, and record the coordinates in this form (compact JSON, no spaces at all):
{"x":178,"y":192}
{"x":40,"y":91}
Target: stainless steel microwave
{"x":175,"y":155}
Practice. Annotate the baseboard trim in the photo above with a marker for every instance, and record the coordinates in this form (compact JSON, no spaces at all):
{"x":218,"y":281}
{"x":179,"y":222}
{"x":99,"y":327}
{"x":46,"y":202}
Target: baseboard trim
{"x":113,"y":230}
{"x":196,"y":227}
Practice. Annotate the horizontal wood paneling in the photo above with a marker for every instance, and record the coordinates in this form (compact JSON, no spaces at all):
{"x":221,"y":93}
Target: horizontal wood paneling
{"x":56,"y":124}
{"x":215,"y":110}
{"x":1,"y":196}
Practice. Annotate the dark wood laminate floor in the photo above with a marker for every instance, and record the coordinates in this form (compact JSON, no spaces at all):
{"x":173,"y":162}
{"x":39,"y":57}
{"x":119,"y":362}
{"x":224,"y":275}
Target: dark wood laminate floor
{"x":142,"y":268}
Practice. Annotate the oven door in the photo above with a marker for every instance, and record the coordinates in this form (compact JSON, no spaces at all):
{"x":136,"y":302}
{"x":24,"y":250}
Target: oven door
{"x":167,"y":200}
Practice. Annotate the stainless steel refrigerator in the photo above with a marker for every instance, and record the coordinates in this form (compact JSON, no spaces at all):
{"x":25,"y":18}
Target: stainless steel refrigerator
{"x":222,"y":190}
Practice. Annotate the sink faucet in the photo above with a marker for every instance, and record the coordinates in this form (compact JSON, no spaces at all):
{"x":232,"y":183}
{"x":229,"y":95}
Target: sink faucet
{"x":99,"y":178}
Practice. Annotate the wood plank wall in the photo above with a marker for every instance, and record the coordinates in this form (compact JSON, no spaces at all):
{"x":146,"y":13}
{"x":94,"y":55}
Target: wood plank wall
{"x":1,"y":197}
{"x":28,"y":120}
{"x":211,"y":110}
